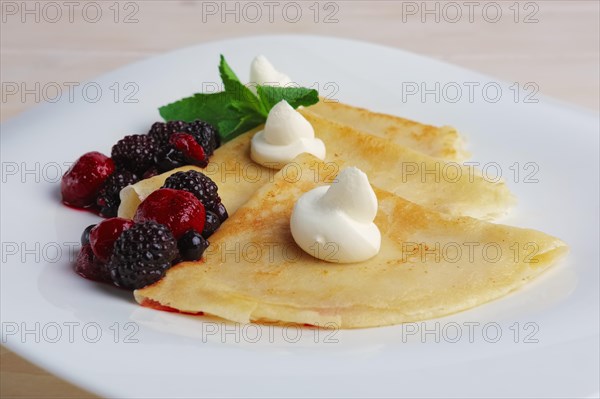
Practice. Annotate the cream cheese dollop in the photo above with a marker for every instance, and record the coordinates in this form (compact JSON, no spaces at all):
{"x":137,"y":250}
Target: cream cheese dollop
{"x":263,"y":73}
{"x":286,"y":135}
{"x":335,"y":223}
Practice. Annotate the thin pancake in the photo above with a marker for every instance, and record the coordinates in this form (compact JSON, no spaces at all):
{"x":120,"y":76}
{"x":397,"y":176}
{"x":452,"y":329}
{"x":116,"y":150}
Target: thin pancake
{"x":440,"y":142}
{"x":253,"y":270}
{"x":440,"y":185}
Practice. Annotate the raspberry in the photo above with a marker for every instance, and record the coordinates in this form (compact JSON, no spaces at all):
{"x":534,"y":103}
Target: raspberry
{"x":135,"y":153}
{"x":142,"y":255}
{"x":88,"y":266}
{"x":103,"y":236}
{"x":193,"y":153}
{"x":204,"y":133}
{"x":181,"y":149}
{"x":108,"y":200}
{"x":179,"y":210}
{"x":83,"y":180}
{"x":192,"y":245}
{"x":196,"y":183}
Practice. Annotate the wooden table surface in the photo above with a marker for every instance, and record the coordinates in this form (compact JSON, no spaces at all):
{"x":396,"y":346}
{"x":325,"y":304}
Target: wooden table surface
{"x":554,"y":44}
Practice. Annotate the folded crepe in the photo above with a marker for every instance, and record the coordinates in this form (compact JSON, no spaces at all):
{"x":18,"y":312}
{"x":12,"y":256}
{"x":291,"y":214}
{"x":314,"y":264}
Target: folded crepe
{"x":444,"y":186}
{"x":440,"y":142}
{"x":429,"y":264}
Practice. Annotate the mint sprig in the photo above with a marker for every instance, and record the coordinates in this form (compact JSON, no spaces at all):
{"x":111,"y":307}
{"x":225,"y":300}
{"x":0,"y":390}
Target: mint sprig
{"x":237,"y":109}
{"x":295,"y":96}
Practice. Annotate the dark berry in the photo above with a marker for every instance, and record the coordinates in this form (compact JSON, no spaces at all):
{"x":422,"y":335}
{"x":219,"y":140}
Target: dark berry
{"x":104,"y":235}
{"x":181,"y":149}
{"x":196,"y":183}
{"x":161,"y":131}
{"x":88,"y":266}
{"x":192,"y":245}
{"x":211,"y":225}
{"x":169,"y":159}
{"x":221,"y":212}
{"x":153,"y":171}
{"x":204,"y":133}
{"x":179,"y":210}
{"x":135,"y":153}
{"x":192,"y":152}
{"x":142,"y":255}
{"x":83,"y":180}
{"x":108,"y":200}
{"x":85,"y":236}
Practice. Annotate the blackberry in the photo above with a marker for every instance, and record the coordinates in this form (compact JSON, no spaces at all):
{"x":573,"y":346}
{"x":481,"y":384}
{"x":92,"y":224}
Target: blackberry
{"x":161,"y":131}
{"x":198,"y":184}
{"x":211,"y":224}
{"x":204,"y":133}
{"x":142,"y":255}
{"x":135,"y":153}
{"x":108,"y":200}
{"x":192,"y":245}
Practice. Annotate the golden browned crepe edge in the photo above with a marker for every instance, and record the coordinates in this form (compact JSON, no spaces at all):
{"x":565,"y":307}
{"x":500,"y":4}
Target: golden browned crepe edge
{"x":381,"y":160}
{"x":443,"y":142}
{"x":237,"y":307}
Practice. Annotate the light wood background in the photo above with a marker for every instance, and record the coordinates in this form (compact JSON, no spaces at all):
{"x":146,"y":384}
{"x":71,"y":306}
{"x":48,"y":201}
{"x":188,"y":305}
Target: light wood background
{"x":552,"y":43}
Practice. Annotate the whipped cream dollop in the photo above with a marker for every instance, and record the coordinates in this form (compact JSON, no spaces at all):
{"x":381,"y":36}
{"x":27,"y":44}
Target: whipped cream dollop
{"x":263,"y":73}
{"x":335,"y":223}
{"x":286,"y":135}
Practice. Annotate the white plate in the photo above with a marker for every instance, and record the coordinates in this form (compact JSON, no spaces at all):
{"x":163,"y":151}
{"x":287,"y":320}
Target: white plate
{"x":181,"y":356}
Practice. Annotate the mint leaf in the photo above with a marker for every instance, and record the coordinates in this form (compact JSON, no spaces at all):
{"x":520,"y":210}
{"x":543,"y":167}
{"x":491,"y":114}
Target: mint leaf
{"x":247,"y":108}
{"x":295,"y":96}
{"x":211,"y":108}
{"x":234,"y":127}
{"x":238,"y":90}
{"x":237,"y":109}
{"x":228,"y":115}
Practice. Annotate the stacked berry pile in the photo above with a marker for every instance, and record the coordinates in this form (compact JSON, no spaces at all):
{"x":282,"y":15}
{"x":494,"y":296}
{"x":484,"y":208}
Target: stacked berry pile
{"x":171,"y":225}
{"x":95,"y":180}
